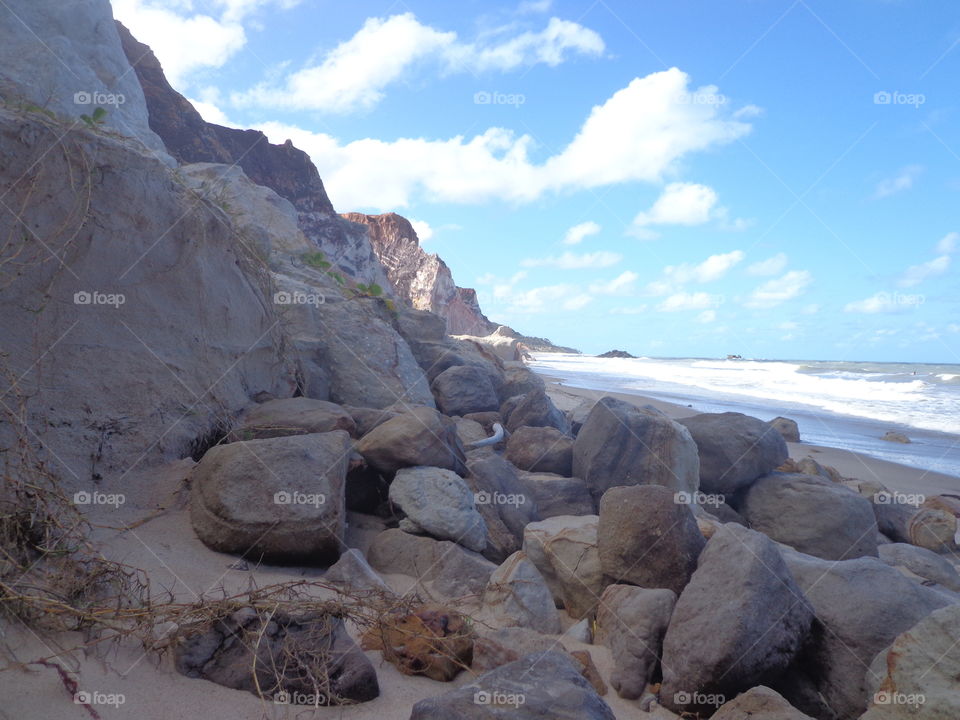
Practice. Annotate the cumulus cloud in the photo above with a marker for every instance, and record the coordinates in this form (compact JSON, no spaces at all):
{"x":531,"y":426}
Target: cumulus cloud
{"x":948,"y":243}
{"x":779,"y":290}
{"x":638,"y":134}
{"x":710,"y":270}
{"x":881,"y":302}
{"x":771,"y":266}
{"x":898,"y":183}
{"x":707,"y":317}
{"x":354,"y":75}
{"x":577,"y":233}
{"x":423,"y":229}
{"x":547,"y":298}
{"x":688,"y":301}
{"x":623,"y":284}
{"x":916,"y":274}
{"x":573,"y":261}
{"x":680,"y":204}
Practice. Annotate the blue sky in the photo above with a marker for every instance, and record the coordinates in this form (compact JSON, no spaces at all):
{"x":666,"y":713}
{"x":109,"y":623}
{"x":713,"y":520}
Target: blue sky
{"x":775,"y":178}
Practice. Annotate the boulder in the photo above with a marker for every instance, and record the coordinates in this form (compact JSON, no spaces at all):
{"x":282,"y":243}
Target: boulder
{"x":280,"y":499}
{"x":452,"y":570}
{"x":534,"y":409}
{"x":464,"y":389}
{"x":759,"y":703}
{"x":501,"y":498}
{"x":548,"y":685}
{"x":519,"y":380}
{"x":812,"y":515}
{"x":366,"y":419}
{"x":292,"y":416}
{"x":922,"y":562}
{"x":419,"y":325}
{"x":419,"y":437}
{"x":470,"y":431}
{"x":631,"y":621}
{"x":787,"y":428}
{"x":541,"y":449}
{"x":354,"y":574}
{"x":647,"y":538}
{"x":933,"y":528}
{"x":917,"y":675}
{"x":500,"y":646}
{"x":564,"y":549}
{"x":557,"y":495}
{"x":518,"y":595}
{"x":861,"y":606}
{"x":741,"y":619}
{"x":620,"y":444}
{"x":486,"y":419}
{"x":735,"y":449}
{"x":280,"y":657}
{"x":438,"y":503}
{"x":895,"y":437}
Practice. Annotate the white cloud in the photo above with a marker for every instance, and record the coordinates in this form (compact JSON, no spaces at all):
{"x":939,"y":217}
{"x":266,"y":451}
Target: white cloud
{"x":548,"y":298}
{"x":623,"y":284}
{"x":779,"y":290}
{"x":423,"y":229}
{"x":354,"y":75}
{"x":902,"y":181}
{"x":710,"y":270}
{"x":577,"y":302}
{"x":811,"y":309}
{"x":679,"y":204}
{"x":534,"y":6}
{"x":577,"y":233}
{"x":638,"y":134}
{"x":211,"y":113}
{"x":948,"y":243}
{"x":916,"y":274}
{"x":881,"y":302}
{"x":707,"y":317}
{"x":771,"y":266}
{"x":688,"y":301}
{"x":572,"y":261}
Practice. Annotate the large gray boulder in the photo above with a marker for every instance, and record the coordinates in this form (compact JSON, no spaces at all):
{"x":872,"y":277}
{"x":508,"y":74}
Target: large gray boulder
{"x":917,"y":675}
{"x":534,"y":409}
{"x":631,"y":621}
{"x":647,"y":538}
{"x":547,"y":685}
{"x":353,"y":573}
{"x":787,"y":428}
{"x":558,"y":495}
{"x":564,"y":549}
{"x":741,"y":619}
{"x":759,"y":703}
{"x":519,"y":380}
{"x":421,"y":436}
{"x":518,"y":595}
{"x":621,"y":444}
{"x":280,"y":499}
{"x":861,"y":606}
{"x":812,"y":515}
{"x":502,"y":499}
{"x":438,"y":503}
{"x":452,"y":570}
{"x":292,"y":416}
{"x":920,"y":561}
{"x":299,"y":660}
{"x":464,"y":389}
{"x":735,"y":449}
{"x":541,"y":449}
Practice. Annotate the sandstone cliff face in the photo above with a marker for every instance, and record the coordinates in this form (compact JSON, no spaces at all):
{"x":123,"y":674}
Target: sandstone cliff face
{"x":283,"y":168}
{"x":422,"y":279}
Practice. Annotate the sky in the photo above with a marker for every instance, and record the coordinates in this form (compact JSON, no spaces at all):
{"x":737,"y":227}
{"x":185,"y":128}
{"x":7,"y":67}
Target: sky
{"x":772,"y":178}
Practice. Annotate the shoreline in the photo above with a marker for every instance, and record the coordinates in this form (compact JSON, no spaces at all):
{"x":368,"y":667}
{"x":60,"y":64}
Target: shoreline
{"x":850,"y":463}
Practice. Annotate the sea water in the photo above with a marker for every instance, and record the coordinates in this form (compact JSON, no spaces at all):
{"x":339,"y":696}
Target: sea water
{"x":848,"y":405}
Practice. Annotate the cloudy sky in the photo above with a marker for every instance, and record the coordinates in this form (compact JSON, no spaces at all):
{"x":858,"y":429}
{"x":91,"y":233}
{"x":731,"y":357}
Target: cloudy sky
{"x":775,"y":178}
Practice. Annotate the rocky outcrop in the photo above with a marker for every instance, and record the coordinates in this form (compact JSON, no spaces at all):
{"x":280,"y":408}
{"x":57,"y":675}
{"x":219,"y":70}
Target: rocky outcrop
{"x":421,"y":436}
{"x":419,"y":278}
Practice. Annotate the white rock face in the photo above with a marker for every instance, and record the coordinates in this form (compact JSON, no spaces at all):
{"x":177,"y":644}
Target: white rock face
{"x":66,"y":57}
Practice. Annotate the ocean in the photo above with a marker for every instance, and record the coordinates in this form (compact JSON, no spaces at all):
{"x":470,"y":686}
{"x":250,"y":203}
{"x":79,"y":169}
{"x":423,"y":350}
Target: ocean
{"x":848,"y":405}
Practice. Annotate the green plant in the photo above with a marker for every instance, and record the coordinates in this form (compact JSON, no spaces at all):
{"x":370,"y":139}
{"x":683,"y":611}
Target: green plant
{"x":98,"y":117}
{"x":317,"y":260}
